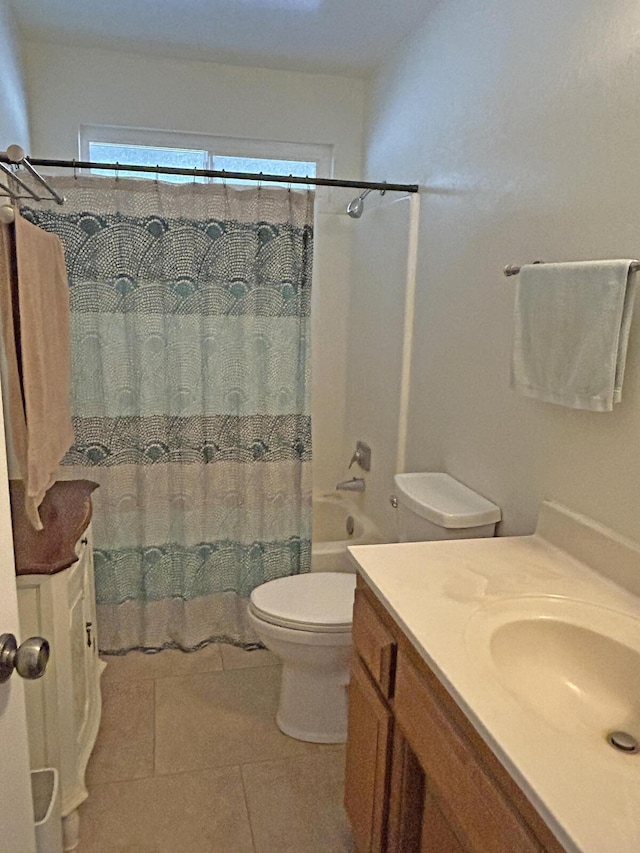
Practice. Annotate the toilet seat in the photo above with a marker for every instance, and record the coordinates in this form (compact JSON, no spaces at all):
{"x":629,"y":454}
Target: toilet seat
{"x":318,"y":601}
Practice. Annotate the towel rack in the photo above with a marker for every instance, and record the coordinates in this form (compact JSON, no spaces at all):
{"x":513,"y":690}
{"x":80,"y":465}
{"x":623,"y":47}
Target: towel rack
{"x":15,"y":155}
{"x":510,"y":269}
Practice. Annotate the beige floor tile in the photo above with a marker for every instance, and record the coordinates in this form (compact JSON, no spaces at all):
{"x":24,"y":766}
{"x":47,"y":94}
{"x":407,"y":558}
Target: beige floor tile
{"x":295,"y":805}
{"x":220,"y":718}
{"x":124,"y":748}
{"x":191,"y":813}
{"x":138,"y":666}
{"x":235,"y":658}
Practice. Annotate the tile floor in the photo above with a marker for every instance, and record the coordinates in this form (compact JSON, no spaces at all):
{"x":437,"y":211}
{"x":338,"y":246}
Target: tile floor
{"x":189,"y":760}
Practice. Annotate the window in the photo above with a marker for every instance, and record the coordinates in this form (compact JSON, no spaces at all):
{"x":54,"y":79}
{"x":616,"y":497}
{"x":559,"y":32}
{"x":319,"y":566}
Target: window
{"x":146,"y":155}
{"x":188,"y":151}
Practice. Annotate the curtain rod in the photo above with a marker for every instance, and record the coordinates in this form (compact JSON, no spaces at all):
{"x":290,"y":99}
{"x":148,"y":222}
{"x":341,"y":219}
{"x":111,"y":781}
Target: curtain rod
{"x":383,"y":186}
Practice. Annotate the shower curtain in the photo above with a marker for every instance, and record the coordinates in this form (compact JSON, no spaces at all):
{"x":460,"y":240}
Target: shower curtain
{"x":190,"y":311}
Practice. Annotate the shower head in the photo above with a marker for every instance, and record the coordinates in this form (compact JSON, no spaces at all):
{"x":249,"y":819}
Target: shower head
{"x":356,"y":206}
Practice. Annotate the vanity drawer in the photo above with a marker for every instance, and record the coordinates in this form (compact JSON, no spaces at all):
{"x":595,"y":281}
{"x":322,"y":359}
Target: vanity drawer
{"x":479,"y":814}
{"x":374,"y":643}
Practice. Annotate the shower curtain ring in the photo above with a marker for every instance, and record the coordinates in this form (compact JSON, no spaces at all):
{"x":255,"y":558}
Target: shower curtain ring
{"x":157,"y":173}
{"x":260,"y":182}
{"x":289,"y":184}
{"x":194,"y":175}
{"x":117,"y":171}
{"x":75,"y":170}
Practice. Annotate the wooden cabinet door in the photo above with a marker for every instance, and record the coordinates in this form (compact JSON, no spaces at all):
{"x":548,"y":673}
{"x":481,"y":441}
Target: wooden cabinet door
{"x":437,"y":834}
{"x":406,"y":798}
{"x":64,"y":707}
{"x":368,"y":754}
{"x":479,"y":810}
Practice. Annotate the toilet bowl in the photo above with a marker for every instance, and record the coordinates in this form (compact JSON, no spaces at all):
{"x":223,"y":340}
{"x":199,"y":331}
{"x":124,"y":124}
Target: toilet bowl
{"x":306,"y":621}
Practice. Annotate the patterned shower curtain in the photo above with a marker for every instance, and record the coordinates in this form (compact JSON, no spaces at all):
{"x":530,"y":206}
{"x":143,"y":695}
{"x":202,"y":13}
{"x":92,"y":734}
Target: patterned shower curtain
{"x":191,"y":398}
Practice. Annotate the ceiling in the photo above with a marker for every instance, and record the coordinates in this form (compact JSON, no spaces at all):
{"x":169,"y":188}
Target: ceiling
{"x":329,"y":36}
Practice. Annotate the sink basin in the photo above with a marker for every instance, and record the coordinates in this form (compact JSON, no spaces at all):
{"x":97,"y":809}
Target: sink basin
{"x":571,"y":662}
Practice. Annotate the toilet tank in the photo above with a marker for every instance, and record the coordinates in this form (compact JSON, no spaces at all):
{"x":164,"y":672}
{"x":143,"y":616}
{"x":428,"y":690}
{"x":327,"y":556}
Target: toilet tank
{"x":435,"y":506}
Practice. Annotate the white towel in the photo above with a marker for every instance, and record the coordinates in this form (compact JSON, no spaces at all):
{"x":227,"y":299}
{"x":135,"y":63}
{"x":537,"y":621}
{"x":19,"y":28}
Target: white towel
{"x":571,"y":329}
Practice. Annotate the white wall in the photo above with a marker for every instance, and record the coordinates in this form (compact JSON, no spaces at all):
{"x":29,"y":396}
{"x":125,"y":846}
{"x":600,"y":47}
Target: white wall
{"x":13,"y":107}
{"x":522,"y":121}
{"x":68,"y":88}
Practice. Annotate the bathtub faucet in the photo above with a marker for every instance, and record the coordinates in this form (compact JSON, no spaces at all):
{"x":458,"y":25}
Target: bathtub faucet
{"x":355,"y":484}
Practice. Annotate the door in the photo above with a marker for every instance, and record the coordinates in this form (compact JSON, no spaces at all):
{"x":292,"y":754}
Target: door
{"x":17,"y":834}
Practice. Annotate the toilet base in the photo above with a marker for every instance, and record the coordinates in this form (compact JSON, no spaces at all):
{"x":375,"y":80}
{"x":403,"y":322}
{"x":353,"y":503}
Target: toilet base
{"x":313,"y":705}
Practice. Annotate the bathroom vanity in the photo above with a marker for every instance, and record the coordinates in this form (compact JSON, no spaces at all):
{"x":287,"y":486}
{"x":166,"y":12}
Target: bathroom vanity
{"x":56,"y":600}
{"x":484,"y":682}
{"x":418,"y":776}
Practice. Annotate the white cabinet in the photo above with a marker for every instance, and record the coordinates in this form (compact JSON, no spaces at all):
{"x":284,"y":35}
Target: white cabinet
{"x":64,"y":706}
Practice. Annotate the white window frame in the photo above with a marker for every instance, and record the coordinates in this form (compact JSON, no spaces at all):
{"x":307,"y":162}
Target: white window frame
{"x":224,"y":146}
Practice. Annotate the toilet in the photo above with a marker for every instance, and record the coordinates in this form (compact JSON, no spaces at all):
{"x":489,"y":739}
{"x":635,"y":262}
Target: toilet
{"x":306,"y":619}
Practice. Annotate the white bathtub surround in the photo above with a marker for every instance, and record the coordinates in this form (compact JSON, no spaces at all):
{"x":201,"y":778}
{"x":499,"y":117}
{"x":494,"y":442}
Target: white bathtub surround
{"x":334,"y":514}
{"x":383,"y":292}
{"x":451,"y":598}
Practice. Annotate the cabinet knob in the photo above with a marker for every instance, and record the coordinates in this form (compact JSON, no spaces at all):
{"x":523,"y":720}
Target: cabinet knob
{"x":30,"y":659}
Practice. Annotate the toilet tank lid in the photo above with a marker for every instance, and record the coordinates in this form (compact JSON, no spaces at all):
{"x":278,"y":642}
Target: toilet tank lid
{"x":445,"y":501}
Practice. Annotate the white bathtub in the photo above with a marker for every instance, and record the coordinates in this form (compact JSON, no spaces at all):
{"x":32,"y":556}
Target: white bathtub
{"x":334,"y":515}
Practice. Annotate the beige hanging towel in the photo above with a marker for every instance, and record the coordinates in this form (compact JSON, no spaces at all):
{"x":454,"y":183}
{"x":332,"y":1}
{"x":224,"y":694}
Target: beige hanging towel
{"x":45,"y":347}
{"x":12,"y":399}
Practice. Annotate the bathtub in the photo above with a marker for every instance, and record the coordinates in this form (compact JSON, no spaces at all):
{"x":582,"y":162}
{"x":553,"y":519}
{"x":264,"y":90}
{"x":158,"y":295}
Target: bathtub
{"x":338,"y":522}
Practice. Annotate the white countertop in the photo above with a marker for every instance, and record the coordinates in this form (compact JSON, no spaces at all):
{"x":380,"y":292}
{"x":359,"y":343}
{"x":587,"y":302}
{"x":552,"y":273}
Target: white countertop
{"x":586,"y":791}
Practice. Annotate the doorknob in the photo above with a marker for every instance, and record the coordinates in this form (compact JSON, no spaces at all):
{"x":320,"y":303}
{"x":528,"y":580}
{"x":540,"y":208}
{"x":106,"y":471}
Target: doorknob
{"x":30,"y":659}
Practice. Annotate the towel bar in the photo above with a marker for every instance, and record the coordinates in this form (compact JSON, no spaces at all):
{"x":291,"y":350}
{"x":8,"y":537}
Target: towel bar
{"x":510,"y":269}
